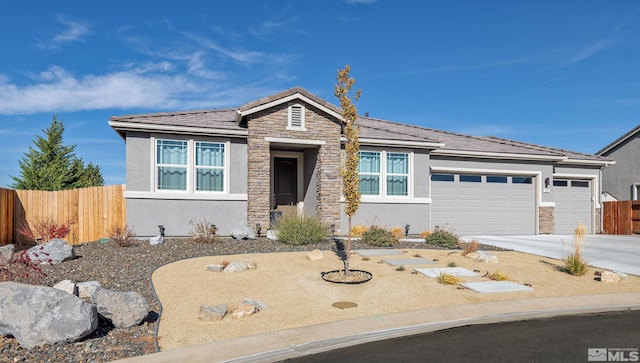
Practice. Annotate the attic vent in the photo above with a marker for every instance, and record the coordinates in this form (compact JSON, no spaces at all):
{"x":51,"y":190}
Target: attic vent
{"x":296,"y":117}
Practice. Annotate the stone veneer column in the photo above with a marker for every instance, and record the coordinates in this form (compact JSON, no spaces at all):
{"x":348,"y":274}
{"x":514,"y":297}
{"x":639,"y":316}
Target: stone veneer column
{"x":598,"y":227}
{"x":547,"y":221}
{"x":258,"y":175}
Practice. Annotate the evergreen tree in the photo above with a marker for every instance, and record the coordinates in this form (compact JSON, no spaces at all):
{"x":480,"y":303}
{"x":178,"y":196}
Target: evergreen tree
{"x":51,"y":165}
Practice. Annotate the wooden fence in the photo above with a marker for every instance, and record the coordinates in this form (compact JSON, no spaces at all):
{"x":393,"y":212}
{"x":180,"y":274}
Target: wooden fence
{"x":93,"y":212}
{"x":621,"y":217}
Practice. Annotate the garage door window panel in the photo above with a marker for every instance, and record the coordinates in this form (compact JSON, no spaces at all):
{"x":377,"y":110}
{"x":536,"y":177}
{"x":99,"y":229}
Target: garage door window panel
{"x":499,"y":179}
{"x":521,"y":180}
{"x":464,"y":178}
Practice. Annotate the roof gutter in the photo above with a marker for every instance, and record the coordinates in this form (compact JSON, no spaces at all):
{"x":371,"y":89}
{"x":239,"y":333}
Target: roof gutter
{"x":494,"y":155}
{"x":127,"y":126}
{"x":388,"y":142}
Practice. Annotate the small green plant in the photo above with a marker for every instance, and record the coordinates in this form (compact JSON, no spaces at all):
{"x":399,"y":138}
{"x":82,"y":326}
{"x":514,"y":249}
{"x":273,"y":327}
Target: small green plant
{"x":365,"y":259}
{"x":417,"y":255}
{"x":301,"y":230}
{"x":378,"y":236}
{"x":498,"y":276}
{"x":400,"y":268}
{"x":202,"y":231}
{"x":471,"y":247}
{"x":122,"y":236}
{"x":574,"y":263}
{"x":442,"y":238}
{"x":448,"y":279}
{"x":452,"y":264}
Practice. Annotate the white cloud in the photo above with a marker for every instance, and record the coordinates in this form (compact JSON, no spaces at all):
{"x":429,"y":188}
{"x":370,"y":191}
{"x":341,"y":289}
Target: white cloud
{"x":589,"y":51}
{"x":74,"y":31}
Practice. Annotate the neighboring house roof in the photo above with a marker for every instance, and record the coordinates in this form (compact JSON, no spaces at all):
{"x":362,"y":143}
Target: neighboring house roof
{"x":228,"y":122}
{"x":607,"y":149}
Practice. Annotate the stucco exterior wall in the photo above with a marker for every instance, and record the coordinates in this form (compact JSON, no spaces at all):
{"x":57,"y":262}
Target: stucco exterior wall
{"x":389,"y":215}
{"x":618,"y":178}
{"x":144,"y":215}
{"x":138,"y":162}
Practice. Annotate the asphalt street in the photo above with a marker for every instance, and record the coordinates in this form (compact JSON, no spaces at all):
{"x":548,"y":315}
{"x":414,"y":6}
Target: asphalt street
{"x":614,"y":336}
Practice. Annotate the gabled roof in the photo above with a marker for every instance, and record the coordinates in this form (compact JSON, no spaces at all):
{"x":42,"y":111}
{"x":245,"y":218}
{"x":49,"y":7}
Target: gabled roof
{"x":605,"y":150}
{"x":373,"y":131}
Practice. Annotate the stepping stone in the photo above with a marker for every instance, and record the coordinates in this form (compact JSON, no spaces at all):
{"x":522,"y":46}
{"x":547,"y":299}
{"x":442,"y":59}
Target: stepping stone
{"x":455,"y":271}
{"x":378,"y":252}
{"x":495,"y":286}
{"x":408,"y":261}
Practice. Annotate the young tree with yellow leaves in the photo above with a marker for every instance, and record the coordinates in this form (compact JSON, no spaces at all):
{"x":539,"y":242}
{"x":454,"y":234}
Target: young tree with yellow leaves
{"x":349,"y":167}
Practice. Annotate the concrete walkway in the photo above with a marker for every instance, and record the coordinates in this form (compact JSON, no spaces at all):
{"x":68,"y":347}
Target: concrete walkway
{"x":612,"y":252}
{"x":291,"y":343}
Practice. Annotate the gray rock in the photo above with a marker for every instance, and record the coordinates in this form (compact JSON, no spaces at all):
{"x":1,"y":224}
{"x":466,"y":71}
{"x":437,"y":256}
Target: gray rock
{"x":85,"y":289}
{"x":37,"y":315}
{"x":53,"y":252}
{"x":486,"y":257}
{"x":67,"y":286}
{"x":272,"y":235}
{"x":236,"y":266}
{"x":620,"y":273}
{"x":159,"y":239}
{"x":212,"y":313}
{"x":215,"y":267}
{"x":608,"y":276}
{"x":6,"y":252}
{"x":244,"y":310}
{"x":256,"y":303}
{"x":123,"y":309}
{"x":242,"y":231}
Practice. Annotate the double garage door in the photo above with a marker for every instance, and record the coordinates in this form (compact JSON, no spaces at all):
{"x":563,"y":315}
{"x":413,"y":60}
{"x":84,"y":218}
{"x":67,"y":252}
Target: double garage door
{"x":475,"y":204}
{"x":573,"y":204}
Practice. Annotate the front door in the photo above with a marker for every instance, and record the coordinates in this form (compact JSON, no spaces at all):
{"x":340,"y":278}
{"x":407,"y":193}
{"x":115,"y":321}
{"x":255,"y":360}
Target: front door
{"x":286,"y":184}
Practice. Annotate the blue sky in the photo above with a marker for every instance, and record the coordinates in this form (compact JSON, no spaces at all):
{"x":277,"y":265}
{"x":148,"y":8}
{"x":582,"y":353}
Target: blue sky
{"x":557,"y":73}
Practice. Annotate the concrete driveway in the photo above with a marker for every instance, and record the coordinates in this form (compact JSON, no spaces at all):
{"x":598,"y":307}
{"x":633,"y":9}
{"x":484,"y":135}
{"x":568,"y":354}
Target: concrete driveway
{"x":611,"y":252}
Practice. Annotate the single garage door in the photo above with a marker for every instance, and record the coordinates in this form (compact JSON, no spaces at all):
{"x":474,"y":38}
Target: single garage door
{"x":474,"y":204}
{"x":573,"y":204}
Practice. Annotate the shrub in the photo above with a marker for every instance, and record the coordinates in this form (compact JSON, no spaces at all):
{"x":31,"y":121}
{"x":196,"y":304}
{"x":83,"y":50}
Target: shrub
{"x":498,"y":276}
{"x":398,"y":232}
{"x":378,"y":236}
{"x":574,"y":263}
{"x":452,"y":264}
{"x":471,"y":247}
{"x":46,"y":230}
{"x":400,"y":268}
{"x":202,"y":231}
{"x":21,"y":269}
{"x":448,"y":279}
{"x":442,"y":238}
{"x":425,"y":234}
{"x":122,"y":236}
{"x":301,"y":230}
{"x":358,"y":230}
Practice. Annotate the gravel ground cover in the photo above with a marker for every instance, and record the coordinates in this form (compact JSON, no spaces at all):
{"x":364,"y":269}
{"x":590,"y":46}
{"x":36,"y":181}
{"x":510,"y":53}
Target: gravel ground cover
{"x":129,"y":269}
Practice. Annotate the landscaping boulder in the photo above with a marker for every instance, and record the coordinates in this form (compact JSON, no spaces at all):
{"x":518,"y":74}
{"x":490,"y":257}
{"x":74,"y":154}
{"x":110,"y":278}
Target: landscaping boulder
{"x":159,"y":239}
{"x":53,"y":252}
{"x":215,"y":267}
{"x":67,"y":286}
{"x":85,"y":289}
{"x":272,"y":235}
{"x":6,"y":253}
{"x":212,"y":313}
{"x":122,"y":309}
{"x":257,"y":303}
{"x":486,"y":257}
{"x":608,"y":276}
{"x":244,"y":310}
{"x":240,"y":266}
{"x":242,"y":231}
{"x":315,"y":255}
{"x":37,"y":315}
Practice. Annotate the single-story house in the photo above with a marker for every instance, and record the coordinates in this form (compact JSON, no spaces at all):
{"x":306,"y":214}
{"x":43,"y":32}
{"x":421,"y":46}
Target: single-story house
{"x":283,"y":152}
{"x":622,"y":180}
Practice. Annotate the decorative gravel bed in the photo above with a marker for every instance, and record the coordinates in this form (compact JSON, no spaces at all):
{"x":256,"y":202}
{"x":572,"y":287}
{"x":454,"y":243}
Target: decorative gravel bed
{"x":128,"y":269}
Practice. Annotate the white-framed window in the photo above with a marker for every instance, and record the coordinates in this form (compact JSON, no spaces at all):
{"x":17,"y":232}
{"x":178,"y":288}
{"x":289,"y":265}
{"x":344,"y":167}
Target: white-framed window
{"x":190,"y":166}
{"x":209,"y":166}
{"x":384,"y":173}
{"x":171,"y":162}
{"x":296,"y":117}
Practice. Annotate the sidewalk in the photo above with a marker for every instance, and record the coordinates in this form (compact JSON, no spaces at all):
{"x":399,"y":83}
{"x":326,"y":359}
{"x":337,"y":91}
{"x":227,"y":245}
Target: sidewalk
{"x":284,"y":344}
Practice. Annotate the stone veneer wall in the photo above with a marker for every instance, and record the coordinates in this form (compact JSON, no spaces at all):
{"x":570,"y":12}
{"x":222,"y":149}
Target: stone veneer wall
{"x":547,"y":222}
{"x":273,"y":123}
{"x":598,"y":220}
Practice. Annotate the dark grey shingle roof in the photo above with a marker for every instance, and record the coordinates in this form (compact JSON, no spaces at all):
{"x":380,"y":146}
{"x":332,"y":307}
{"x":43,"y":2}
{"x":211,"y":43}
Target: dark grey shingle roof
{"x":215,"y":119}
{"x":619,"y":140}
